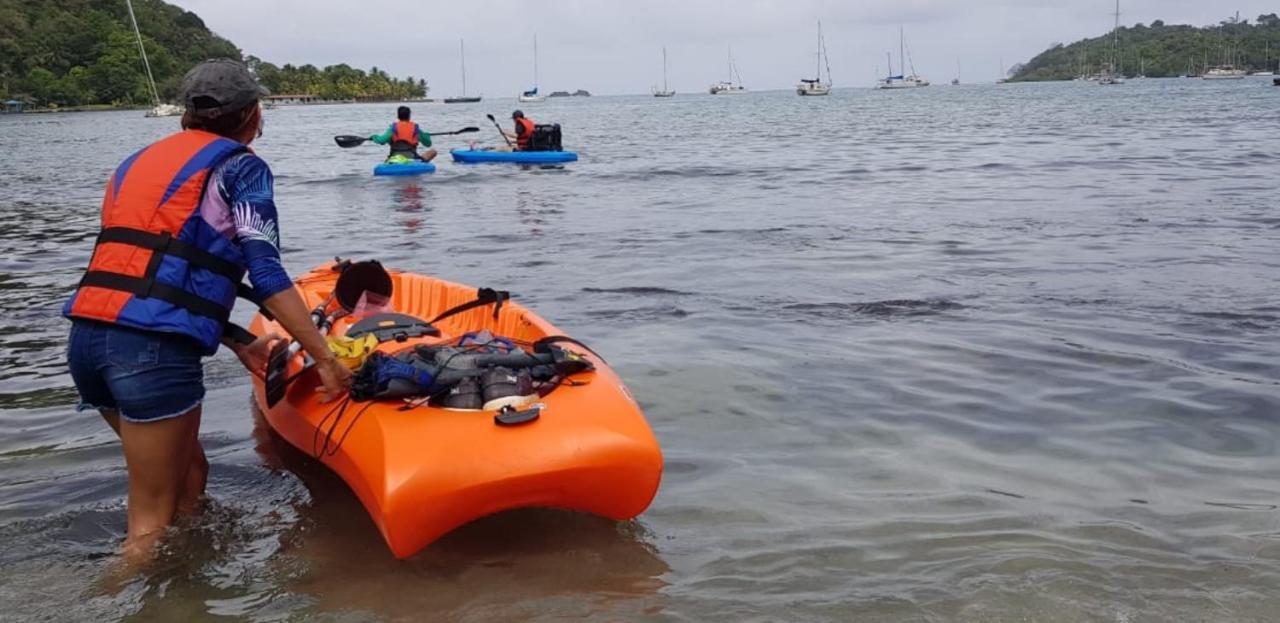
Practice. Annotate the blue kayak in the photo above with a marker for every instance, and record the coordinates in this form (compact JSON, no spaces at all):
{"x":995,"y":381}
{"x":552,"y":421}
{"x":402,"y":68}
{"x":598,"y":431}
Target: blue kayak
{"x":520,"y":157}
{"x":412,"y":167}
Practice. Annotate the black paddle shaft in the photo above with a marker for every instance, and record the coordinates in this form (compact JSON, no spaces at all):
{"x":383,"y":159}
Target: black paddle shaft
{"x":466,"y":130}
{"x":504,"y":134}
{"x":348,"y":140}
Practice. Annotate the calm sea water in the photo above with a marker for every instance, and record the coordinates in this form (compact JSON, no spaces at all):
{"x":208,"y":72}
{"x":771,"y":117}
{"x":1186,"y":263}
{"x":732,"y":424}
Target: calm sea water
{"x":966,"y":353}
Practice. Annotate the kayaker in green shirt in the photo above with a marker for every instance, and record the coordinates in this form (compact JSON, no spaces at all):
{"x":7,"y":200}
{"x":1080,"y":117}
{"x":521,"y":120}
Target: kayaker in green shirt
{"x":404,"y":137}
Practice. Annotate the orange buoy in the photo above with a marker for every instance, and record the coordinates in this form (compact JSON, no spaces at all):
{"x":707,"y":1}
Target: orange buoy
{"x":422,"y":470}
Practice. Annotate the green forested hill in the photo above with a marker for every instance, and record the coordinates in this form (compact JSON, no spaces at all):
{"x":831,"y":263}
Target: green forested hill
{"x":1163,"y":50}
{"x":84,"y":51}
{"x":76,"y":52}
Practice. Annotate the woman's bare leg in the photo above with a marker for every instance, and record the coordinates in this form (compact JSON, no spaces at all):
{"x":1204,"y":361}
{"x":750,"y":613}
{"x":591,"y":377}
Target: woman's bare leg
{"x":197,"y":475}
{"x":194,"y":482}
{"x":159,"y":457}
{"x":113,"y":420}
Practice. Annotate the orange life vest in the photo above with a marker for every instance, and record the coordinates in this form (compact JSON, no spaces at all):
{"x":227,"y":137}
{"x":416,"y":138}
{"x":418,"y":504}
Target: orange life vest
{"x":157,"y":265}
{"x":524,"y":132}
{"x":405,"y":131}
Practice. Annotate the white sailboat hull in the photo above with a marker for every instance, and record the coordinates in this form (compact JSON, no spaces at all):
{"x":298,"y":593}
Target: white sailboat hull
{"x":165,"y":110}
{"x":532,"y":98}
{"x":809,"y":88}
{"x":910,"y":82}
{"x":1224,"y":74}
{"x":727,"y":88}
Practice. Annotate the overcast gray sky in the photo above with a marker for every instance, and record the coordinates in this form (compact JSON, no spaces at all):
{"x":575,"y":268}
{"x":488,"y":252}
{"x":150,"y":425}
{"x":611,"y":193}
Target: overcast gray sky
{"x":615,"y":47}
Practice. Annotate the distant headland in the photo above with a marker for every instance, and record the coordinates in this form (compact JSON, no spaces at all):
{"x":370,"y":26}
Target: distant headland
{"x":1161,"y":50}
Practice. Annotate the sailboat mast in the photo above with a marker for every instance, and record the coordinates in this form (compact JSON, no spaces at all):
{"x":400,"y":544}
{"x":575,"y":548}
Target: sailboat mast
{"x":151,"y":82}
{"x":462,"y":55}
{"x":902,"y":51}
{"x":818,"y":68}
{"x":1115,"y":41}
{"x":664,"y":69}
{"x":535,"y":61}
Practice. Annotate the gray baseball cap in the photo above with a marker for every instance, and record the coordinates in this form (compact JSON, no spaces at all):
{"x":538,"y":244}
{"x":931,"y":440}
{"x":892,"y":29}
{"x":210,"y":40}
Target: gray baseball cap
{"x":219,"y":86}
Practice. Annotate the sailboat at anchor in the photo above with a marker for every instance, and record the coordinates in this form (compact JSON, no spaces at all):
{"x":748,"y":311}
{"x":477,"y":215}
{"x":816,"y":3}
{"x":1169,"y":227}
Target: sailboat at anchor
{"x":158,"y":108}
{"x":532,"y":94}
{"x":815,"y":85}
{"x":665,"y":92}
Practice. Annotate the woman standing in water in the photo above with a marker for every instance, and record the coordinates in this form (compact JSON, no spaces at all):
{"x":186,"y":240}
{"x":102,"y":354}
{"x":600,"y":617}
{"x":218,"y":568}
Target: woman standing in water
{"x":183,"y":220}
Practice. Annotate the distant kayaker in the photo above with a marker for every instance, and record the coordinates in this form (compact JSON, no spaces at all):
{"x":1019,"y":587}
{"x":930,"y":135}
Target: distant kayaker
{"x":404,"y":137}
{"x":523,"y":132}
{"x":183,"y":220}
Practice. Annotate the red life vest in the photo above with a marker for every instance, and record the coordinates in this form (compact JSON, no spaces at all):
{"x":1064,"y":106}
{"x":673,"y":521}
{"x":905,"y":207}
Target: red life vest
{"x":524,"y":132}
{"x":405,"y":131}
{"x":157,"y":265}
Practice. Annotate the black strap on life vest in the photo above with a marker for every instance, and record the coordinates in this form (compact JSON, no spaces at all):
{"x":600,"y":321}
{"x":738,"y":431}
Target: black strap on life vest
{"x":404,"y":148}
{"x":146,"y":286}
{"x":246,"y":292}
{"x":238,"y":334}
{"x":484,"y":296}
{"x":149,"y":288}
{"x":168,"y":245}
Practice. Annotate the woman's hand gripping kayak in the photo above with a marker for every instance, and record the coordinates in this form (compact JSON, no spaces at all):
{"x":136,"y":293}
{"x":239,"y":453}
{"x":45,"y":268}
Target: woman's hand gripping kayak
{"x":292,"y":314}
{"x":255,"y":354}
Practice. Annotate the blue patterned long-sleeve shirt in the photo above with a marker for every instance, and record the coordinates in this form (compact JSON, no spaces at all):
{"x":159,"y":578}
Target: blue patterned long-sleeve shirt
{"x":241,"y":204}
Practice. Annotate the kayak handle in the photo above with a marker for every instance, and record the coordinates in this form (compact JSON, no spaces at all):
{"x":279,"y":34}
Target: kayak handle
{"x":508,"y":416}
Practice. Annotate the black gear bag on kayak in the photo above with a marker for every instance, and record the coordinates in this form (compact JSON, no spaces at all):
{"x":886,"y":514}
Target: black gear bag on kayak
{"x":546,"y":137}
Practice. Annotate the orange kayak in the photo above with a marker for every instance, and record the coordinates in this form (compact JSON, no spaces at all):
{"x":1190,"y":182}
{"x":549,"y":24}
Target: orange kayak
{"x":423,"y":470}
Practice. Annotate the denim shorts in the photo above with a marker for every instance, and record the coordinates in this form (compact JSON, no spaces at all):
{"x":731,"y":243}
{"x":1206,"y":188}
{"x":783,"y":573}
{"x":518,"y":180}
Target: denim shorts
{"x":146,"y":376}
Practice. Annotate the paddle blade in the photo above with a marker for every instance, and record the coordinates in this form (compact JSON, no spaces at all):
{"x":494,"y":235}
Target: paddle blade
{"x":277,"y":380}
{"x":491,"y":118}
{"x":468,"y":129}
{"x":349,"y":141}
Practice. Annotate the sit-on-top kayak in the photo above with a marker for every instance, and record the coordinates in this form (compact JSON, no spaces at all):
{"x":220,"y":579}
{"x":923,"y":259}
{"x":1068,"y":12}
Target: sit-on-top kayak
{"x":521,"y":157}
{"x":400,"y":165}
{"x":422,"y":470}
